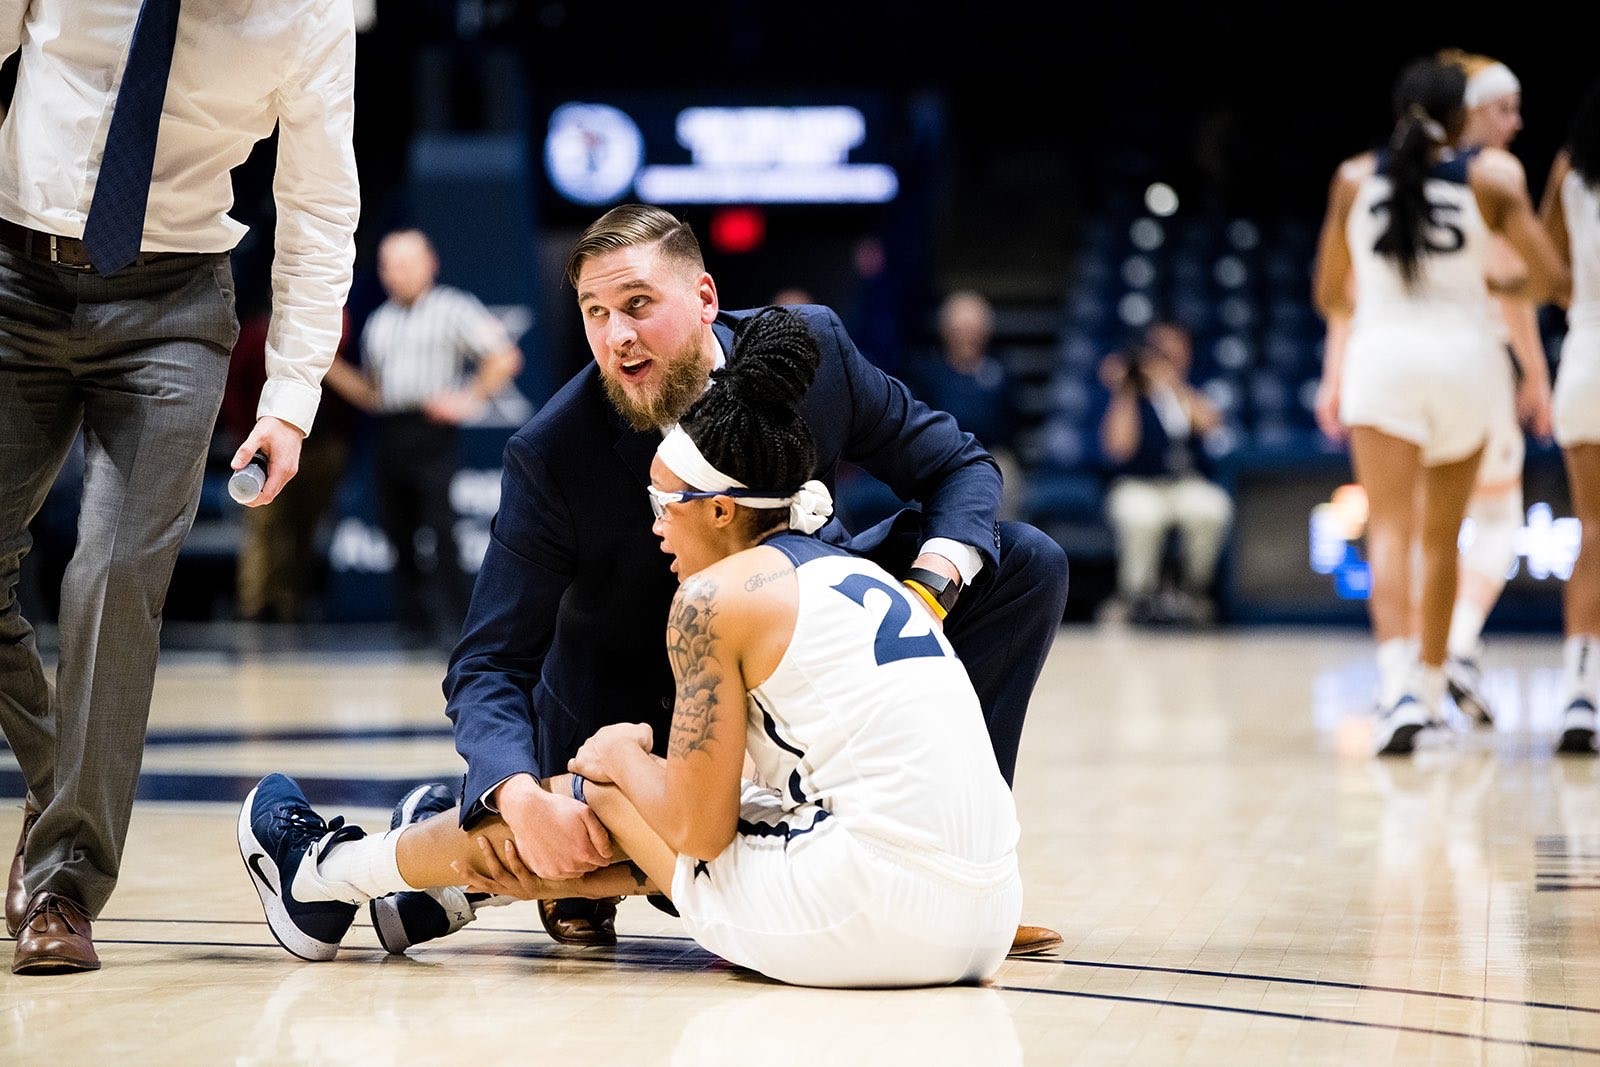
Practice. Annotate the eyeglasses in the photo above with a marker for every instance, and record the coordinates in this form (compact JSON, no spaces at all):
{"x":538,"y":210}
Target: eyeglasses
{"x":660,"y":498}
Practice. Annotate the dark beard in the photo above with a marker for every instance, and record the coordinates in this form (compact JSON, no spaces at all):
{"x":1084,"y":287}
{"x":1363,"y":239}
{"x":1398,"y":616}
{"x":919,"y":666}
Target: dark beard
{"x":684,"y":381}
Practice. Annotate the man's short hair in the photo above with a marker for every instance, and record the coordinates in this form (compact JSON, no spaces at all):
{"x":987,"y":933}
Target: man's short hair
{"x":627,"y":225}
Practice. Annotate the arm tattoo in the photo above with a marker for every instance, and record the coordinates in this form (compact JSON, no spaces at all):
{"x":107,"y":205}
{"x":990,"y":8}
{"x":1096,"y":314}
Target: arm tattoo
{"x":756,"y":581}
{"x":691,"y":646}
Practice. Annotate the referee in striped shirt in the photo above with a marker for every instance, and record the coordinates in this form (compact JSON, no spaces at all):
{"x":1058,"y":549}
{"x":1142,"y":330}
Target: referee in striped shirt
{"x":432,"y":356}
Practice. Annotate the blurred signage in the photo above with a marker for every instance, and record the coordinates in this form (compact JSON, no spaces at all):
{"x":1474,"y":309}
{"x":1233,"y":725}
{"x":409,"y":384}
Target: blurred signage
{"x":1545,"y":547}
{"x":1298,"y":550}
{"x":599,"y":153}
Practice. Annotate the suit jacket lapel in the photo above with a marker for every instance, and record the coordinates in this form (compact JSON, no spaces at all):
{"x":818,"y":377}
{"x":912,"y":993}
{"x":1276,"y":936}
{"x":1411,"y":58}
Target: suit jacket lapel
{"x":636,"y":451}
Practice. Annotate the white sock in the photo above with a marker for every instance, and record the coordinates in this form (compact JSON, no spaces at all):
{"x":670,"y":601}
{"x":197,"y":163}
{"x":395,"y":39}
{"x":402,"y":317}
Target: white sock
{"x":1430,"y":688}
{"x":1466,"y":626}
{"x":1581,"y":660}
{"x":352,"y":871}
{"x":1396,"y":657}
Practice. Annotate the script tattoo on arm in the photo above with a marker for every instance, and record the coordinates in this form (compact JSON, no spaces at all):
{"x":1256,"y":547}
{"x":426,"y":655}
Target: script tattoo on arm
{"x":691,"y":646}
{"x":756,"y":581}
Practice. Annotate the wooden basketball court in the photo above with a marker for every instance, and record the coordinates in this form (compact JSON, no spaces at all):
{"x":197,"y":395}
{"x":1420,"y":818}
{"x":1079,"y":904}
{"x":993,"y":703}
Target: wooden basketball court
{"x":1236,"y":879}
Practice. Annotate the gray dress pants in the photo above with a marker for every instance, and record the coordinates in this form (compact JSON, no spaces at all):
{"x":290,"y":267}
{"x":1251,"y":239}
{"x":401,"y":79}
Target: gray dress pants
{"x":137,"y":362}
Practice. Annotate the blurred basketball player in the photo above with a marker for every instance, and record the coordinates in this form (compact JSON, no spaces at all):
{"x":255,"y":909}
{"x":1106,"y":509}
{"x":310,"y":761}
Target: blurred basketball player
{"x":1410,"y":223}
{"x":1493,"y":100}
{"x":1571,"y":214}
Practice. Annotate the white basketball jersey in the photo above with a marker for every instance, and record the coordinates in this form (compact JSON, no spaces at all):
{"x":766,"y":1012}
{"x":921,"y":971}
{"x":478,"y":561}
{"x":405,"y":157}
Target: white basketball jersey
{"x":871,"y":718}
{"x":1581,"y":205}
{"x":1450,"y":284}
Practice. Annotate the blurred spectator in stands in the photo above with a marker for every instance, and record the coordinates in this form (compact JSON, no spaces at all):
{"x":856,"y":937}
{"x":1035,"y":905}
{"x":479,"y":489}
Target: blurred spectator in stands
{"x":1151,"y":438}
{"x":281,"y":570}
{"x":432,"y":356}
{"x":967,"y":379}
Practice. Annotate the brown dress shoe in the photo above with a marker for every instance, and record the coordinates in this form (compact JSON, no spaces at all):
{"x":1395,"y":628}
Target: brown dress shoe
{"x":1032,"y":940}
{"x":54,"y":938}
{"x":16,"y":896}
{"x":581,"y":922}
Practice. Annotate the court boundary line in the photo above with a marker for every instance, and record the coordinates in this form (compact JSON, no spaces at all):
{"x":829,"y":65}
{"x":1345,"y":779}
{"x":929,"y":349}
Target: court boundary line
{"x":1121,"y":998}
{"x":1326,"y":983}
{"x":185,"y":736}
{"x":1301,"y":1017}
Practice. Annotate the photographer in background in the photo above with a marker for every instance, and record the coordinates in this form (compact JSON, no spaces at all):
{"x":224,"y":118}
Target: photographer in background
{"x":1150,"y":437}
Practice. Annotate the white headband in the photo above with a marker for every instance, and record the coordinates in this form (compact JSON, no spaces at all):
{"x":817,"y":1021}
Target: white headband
{"x":682,"y":457}
{"x":1490,"y":83}
{"x":809,"y":508}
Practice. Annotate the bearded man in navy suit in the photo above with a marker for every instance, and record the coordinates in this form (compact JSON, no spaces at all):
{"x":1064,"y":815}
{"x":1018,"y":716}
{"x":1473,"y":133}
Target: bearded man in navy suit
{"x":565,"y":630}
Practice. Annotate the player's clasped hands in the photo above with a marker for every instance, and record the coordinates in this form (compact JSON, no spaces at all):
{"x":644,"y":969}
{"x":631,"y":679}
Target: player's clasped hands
{"x":597,"y":758}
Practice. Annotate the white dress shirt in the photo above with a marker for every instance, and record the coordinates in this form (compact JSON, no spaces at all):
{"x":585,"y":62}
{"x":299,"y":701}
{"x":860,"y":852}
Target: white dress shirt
{"x":239,"y":67}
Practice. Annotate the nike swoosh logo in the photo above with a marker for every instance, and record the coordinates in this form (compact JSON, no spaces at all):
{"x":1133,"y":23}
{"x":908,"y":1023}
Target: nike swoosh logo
{"x":255,"y":865}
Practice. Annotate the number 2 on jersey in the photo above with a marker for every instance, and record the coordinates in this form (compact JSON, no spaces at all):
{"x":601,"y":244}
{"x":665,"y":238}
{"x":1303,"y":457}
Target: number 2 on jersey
{"x":892,"y":642}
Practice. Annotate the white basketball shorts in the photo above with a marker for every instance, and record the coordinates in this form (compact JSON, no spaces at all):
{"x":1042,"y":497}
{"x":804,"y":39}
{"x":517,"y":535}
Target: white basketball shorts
{"x":802,"y":899}
{"x":1577,"y":392}
{"x":1430,"y":387}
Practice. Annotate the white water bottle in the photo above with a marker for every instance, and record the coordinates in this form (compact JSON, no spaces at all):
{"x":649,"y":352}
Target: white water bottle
{"x":246,"y":482}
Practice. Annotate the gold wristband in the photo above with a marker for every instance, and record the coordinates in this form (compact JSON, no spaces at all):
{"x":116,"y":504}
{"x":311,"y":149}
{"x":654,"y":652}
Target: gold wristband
{"x":927,"y":597}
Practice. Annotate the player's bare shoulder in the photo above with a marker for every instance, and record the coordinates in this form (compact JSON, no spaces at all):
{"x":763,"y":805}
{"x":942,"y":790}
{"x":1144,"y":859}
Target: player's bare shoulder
{"x":1495,"y":170}
{"x":1357,"y":169}
{"x":760,"y":572}
{"x":754,"y":582}
{"x":754,"y":596}
{"x":1347,"y":179}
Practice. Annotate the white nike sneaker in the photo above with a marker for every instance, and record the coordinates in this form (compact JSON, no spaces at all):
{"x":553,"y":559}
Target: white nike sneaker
{"x":1464,"y":680}
{"x":1395,"y":733}
{"x":1578,"y":727}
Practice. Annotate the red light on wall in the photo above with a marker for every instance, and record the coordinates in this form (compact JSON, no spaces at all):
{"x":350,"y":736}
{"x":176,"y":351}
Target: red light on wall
{"x":735,"y":230}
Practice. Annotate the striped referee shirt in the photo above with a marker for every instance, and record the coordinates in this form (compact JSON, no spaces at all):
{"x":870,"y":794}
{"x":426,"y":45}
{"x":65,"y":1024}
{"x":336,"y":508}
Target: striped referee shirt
{"x":414,"y":352}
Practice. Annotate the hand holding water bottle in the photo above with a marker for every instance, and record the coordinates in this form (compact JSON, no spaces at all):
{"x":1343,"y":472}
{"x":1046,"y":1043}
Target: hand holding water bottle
{"x":275,"y":446}
{"x":246,"y":482}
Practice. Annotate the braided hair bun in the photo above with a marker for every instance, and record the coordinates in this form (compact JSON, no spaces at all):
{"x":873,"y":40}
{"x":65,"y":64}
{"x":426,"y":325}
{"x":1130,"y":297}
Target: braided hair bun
{"x":748,"y":424}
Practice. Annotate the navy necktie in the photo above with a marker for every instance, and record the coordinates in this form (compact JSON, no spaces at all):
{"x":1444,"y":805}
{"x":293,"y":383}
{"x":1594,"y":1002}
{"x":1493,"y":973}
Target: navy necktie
{"x":115,"y":227}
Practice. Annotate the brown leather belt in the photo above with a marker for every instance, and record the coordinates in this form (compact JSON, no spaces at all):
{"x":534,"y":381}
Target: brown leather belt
{"x":63,"y":251}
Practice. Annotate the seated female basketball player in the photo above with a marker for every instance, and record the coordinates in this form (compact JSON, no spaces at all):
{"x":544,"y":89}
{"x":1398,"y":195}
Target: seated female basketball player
{"x":877,"y":847}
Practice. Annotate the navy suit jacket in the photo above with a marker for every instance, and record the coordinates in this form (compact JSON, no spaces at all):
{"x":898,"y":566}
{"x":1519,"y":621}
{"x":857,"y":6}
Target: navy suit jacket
{"x":567,"y":628}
